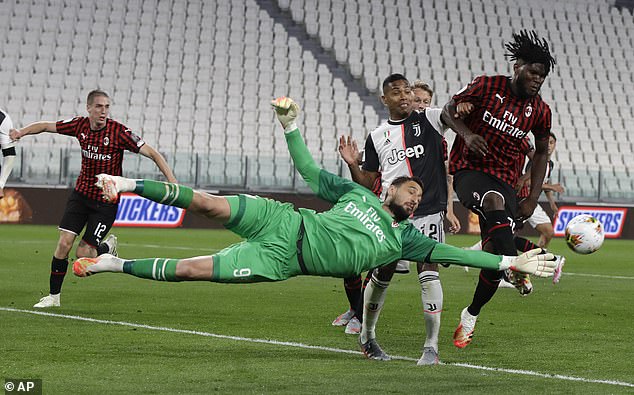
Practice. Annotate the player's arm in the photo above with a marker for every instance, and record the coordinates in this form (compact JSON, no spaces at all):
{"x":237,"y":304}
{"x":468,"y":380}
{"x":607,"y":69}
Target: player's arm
{"x":350,"y":154}
{"x":538,"y":171}
{"x":454,"y":222}
{"x":149,"y":152}
{"x":552,"y":202}
{"x":419,"y":248}
{"x":326,"y":185}
{"x":453,"y":120}
{"x":33,"y":128}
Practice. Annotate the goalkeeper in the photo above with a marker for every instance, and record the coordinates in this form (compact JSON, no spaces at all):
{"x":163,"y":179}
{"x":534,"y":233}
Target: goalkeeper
{"x":359,"y":233}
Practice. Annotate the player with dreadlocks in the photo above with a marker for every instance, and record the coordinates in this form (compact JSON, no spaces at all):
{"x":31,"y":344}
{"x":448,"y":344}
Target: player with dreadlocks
{"x":484,"y":156}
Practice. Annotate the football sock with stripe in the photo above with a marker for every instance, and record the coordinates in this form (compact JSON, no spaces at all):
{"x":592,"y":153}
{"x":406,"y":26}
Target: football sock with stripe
{"x":374,"y":297}
{"x":499,"y":230}
{"x":432,"y":298}
{"x":523,"y":244}
{"x":159,"y":269}
{"x":58,"y":271}
{"x":165,"y":193}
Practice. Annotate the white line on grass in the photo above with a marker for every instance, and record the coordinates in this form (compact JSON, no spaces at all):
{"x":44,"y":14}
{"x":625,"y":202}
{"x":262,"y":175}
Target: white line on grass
{"x":308,"y":346}
{"x":598,"y":275}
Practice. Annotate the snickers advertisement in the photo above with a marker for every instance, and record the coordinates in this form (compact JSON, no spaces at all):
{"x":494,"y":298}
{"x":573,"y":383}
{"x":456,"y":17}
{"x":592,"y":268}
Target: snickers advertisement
{"x":612,"y":219}
{"x":135,"y":210}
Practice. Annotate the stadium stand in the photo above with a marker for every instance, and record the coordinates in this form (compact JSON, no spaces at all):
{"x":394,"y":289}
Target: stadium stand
{"x":199,"y":91}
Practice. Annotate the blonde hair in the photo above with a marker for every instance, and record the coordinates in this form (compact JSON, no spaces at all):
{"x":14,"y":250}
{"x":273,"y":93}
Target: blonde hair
{"x":419,"y":84}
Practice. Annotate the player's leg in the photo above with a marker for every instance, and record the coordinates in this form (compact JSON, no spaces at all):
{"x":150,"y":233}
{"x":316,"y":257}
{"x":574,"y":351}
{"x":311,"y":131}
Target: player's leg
{"x":210,"y":206}
{"x":158,"y":269}
{"x":352,"y":286}
{"x":71,"y":225}
{"x":431,"y":288}
{"x":373,"y":300}
{"x":101,"y":216}
{"x":540,"y":221}
{"x":483,"y":195}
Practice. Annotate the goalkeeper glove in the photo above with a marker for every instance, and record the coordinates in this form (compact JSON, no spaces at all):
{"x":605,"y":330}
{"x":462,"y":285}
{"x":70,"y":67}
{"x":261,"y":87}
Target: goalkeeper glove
{"x":535,"y":262}
{"x":286,"y":110}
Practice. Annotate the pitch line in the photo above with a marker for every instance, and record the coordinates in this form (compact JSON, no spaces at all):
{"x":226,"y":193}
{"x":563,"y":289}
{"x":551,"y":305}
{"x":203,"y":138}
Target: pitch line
{"x":309,"y":347}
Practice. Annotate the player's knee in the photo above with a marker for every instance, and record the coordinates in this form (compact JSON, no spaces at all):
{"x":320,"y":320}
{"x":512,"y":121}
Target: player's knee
{"x":385,"y":273}
{"x":184,"y":270}
{"x":206,"y":205}
{"x":492,"y":202}
{"x":424,"y":267}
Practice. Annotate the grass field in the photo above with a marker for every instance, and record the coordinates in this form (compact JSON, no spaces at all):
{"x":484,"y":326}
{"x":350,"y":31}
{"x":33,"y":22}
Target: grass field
{"x":119,"y":334}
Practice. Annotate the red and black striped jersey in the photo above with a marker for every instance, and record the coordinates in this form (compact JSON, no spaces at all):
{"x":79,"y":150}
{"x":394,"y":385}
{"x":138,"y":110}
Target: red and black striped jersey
{"x":101,"y":150}
{"x":503,"y":120}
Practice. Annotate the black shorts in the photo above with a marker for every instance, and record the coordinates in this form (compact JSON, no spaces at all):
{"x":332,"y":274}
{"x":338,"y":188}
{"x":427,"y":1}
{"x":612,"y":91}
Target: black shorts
{"x":81,"y":211}
{"x":471,"y":186}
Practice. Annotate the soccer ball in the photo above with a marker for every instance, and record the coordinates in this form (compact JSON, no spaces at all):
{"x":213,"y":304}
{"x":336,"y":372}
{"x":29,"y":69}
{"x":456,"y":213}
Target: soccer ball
{"x":584,"y":234}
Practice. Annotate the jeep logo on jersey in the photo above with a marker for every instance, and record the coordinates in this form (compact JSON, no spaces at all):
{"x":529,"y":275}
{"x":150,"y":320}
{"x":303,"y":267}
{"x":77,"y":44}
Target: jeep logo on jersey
{"x":410,"y":152}
{"x":612,"y":219}
{"x":135,"y":210}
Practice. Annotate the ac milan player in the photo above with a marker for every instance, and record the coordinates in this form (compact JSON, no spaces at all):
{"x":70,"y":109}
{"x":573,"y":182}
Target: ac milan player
{"x":102,"y":142}
{"x":485,"y":154}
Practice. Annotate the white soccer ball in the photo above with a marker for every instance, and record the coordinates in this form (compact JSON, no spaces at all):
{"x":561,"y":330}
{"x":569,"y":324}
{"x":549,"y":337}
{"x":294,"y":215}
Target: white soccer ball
{"x":584,"y":234}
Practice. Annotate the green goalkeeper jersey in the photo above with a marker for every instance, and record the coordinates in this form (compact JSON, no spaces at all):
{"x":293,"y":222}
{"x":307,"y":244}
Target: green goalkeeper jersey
{"x":357,"y":234}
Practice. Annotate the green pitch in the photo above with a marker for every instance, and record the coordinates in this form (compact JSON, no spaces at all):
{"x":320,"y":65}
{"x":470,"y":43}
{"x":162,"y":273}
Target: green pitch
{"x":580,"y":329}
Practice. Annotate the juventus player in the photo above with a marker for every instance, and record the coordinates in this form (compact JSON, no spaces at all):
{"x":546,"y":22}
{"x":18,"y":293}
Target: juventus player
{"x":8,"y":149}
{"x":486,"y":151}
{"x":410,"y":143}
{"x":102,"y":142}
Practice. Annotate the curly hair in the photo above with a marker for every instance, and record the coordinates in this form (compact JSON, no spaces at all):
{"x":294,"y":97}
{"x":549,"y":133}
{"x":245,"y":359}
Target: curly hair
{"x":528,"y":47}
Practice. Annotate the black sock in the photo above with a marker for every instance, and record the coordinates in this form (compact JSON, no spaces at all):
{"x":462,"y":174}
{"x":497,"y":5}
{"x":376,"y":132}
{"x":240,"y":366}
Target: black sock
{"x":58,"y":271}
{"x":102,"y":249}
{"x":353,"y":291}
{"x":523,"y":244}
{"x":498,"y":229}
{"x":359,"y":310}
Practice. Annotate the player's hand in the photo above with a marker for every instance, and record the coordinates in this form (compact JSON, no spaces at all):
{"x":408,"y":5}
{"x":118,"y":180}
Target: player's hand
{"x":526,"y":209}
{"x":1,"y":193}
{"x":286,"y":111}
{"x":521,"y":182}
{"x":557,"y":188}
{"x":349,"y":150}
{"x":454,"y":223}
{"x":476,"y":144}
{"x":535,"y":262}
{"x":463,"y":109}
{"x":15,"y":134}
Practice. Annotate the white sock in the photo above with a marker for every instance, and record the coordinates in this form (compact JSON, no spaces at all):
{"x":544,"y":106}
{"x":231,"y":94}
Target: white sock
{"x":107,"y":264}
{"x":373,"y":299}
{"x":432,"y":298}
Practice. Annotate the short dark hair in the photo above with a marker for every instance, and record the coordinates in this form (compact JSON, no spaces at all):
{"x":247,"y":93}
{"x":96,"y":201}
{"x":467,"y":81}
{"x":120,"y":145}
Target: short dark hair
{"x":551,"y":134}
{"x":94,"y":93}
{"x":392,"y":78}
{"x":398,"y":181}
{"x":528,"y":47}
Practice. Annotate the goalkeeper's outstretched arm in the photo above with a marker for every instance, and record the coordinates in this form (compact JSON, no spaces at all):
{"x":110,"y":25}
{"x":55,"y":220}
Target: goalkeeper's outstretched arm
{"x":326,"y":185}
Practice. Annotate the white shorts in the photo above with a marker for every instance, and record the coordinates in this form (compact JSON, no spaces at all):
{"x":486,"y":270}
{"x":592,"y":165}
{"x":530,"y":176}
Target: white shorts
{"x":431,"y":225}
{"x":5,"y":140}
{"x":539,"y":217}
